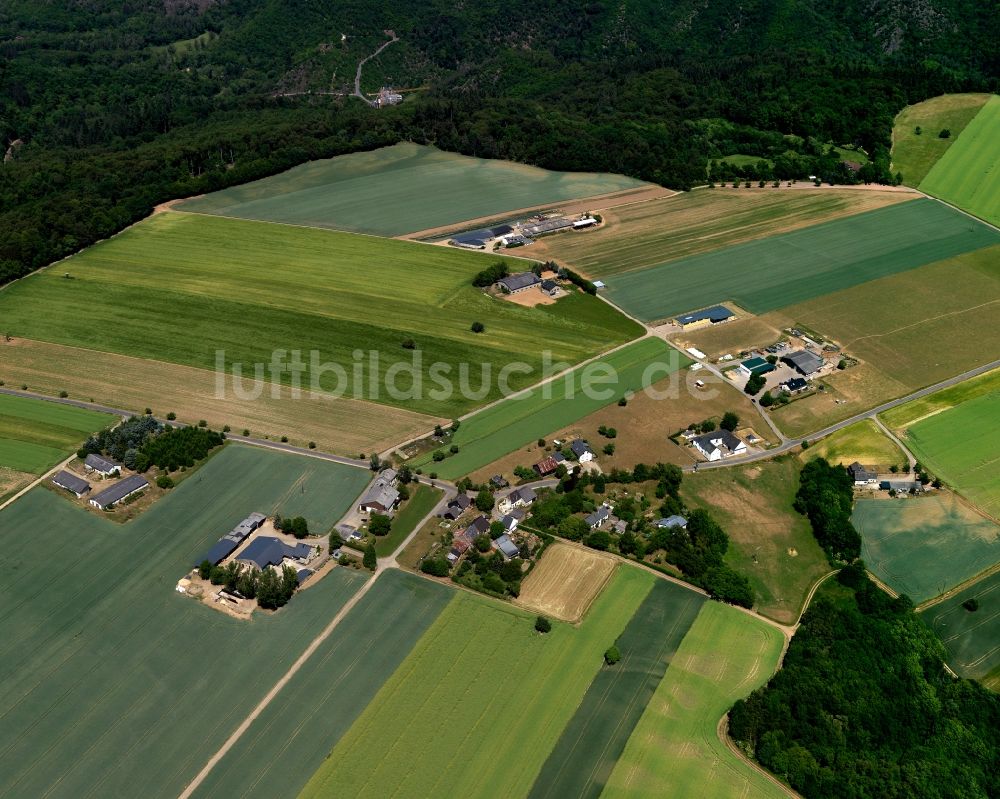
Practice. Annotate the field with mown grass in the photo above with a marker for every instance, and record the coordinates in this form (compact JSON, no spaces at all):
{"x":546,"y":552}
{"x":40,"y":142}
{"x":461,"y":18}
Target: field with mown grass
{"x":903,"y":416}
{"x":401,"y":189}
{"x":914,"y":154}
{"x":968,"y":174}
{"x":924,"y":546}
{"x":862,"y":442}
{"x":181,"y":288}
{"x":35,"y":435}
{"x":793,"y":267}
{"x":479,"y":703}
{"x":646,"y":234}
{"x":112,"y":683}
{"x":675,"y":748}
{"x":422,"y":500}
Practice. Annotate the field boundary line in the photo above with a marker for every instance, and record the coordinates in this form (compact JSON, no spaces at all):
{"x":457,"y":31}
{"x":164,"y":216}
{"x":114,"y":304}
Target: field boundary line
{"x":722,"y":731}
{"x":969,"y":583}
{"x":10,"y":500}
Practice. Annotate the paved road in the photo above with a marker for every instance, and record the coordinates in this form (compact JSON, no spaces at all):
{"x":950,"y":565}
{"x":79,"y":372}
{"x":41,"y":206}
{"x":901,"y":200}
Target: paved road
{"x":361,"y":64}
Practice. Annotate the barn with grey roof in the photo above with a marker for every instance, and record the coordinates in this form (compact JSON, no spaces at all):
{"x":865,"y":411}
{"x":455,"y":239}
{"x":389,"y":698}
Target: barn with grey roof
{"x":123,"y":489}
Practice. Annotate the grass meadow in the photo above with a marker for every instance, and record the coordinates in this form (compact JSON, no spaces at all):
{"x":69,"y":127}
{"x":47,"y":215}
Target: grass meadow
{"x":36,"y":435}
{"x":914,"y":154}
{"x":182,"y":287}
{"x":968,"y":174}
{"x":421,"y":502}
{"x":478,"y":704}
{"x":495,"y":431}
{"x":768,"y":541}
{"x":971,"y":638}
{"x":675,"y":749}
{"x":903,"y":416}
{"x":863,"y":442}
{"x":294,"y":735}
{"x":922,"y":547}
{"x":647,"y":234}
{"x":401,"y":189}
{"x":804,"y":264}
{"x":962,"y":447}
{"x":112,"y":683}
{"x":588,"y":749}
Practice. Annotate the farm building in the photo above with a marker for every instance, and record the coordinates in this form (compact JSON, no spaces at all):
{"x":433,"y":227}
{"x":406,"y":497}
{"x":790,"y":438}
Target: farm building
{"x":671,"y":522}
{"x":862,"y":475}
{"x":546,"y":466}
{"x":598,"y":517}
{"x":719,"y":444}
{"x":220,"y":550}
{"x":756,"y":366}
{"x":267,"y":551}
{"x":101,"y":465}
{"x":584,"y":222}
{"x":456,"y":507}
{"x":709,"y":316}
{"x":582,"y":450}
{"x":69,"y":481}
{"x":381,"y":496}
{"x":902,"y":486}
{"x":515,"y":284}
{"x":535,"y":229}
{"x":795,"y":385}
{"x":119,"y":491}
{"x":549,"y":288}
{"x":805,"y":362}
{"x":507,"y":547}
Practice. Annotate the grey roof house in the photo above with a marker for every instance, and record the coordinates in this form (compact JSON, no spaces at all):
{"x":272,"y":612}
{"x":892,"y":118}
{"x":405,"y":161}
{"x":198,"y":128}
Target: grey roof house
{"x":507,"y":547}
{"x":804,"y":361}
{"x":267,"y":551}
{"x":598,"y":517}
{"x":98,"y":463}
{"x":381,"y":496}
{"x":672,"y":521}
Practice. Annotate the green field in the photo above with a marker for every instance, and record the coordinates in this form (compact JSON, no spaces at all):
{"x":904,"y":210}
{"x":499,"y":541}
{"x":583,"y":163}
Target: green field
{"x":792,"y":267}
{"x":903,"y":416}
{"x":113,"y":684}
{"x":294,"y":735}
{"x":589,"y":747}
{"x":420,"y":503}
{"x":479,"y":703}
{"x":922,"y":547}
{"x":968,"y":174}
{"x":861,"y":441}
{"x":972,"y":639}
{"x":508,"y":425}
{"x":962,"y":447}
{"x":675,"y":750}
{"x":913,"y":155}
{"x":401,"y":189}
{"x":35,"y":435}
{"x":181,"y":288}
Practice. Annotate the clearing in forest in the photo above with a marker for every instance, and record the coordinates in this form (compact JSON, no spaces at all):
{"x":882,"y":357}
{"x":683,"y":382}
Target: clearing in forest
{"x":401,"y":189}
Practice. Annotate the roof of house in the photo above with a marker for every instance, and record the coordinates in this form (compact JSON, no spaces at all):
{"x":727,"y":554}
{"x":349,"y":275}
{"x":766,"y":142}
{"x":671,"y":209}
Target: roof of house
{"x":795,"y":383}
{"x":580,"y":447}
{"x":548,"y":285}
{"x":220,"y":550}
{"x":524,"y":494}
{"x":120,"y":490}
{"x":717,"y":313}
{"x":717,"y":439}
{"x":510,"y":521}
{"x":460,"y":501}
{"x":508,"y":547}
{"x":380,"y":493}
{"x":71,"y":482}
{"x":478,"y":526}
{"x":520,"y":280}
{"x":346,"y":531}
{"x":100,"y":463}
{"x":598,"y":516}
{"x":266,"y":551}
{"x":546,"y":465}
{"x":860,"y":472}
{"x":672,"y":521}
{"x":805,"y":361}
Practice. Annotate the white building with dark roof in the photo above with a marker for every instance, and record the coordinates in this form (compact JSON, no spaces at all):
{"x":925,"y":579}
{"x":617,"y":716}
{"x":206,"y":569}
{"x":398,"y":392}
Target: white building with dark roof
{"x":522,"y":281}
{"x":70,"y":482}
{"x":121,"y":490}
{"x":101,"y":465}
{"x":719,"y":444}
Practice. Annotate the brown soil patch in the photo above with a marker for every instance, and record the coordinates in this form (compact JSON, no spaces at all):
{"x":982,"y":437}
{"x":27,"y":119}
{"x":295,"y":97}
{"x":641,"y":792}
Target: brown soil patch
{"x":11,"y":482}
{"x":565,"y":581}
{"x":731,"y":337}
{"x":529,"y":299}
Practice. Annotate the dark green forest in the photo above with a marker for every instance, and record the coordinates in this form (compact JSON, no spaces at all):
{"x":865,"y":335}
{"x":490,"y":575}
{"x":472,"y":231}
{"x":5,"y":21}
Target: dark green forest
{"x":863,"y":706}
{"x":112,"y":107}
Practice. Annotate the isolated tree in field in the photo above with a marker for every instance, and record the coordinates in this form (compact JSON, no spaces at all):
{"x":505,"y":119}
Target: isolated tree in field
{"x":543,"y":625}
{"x":612,"y":655}
{"x":370,"y":560}
{"x":945,"y":134}
{"x":379,"y":524}
{"x":918,"y":130}
{"x":485,"y":501}
{"x":477,"y":327}
{"x":730,"y":421}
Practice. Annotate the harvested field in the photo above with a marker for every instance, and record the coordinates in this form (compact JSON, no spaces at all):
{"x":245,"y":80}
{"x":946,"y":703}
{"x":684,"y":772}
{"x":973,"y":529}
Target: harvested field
{"x":968,"y":174}
{"x":962,"y":447}
{"x":480,"y":691}
{"x":401,"y":189}
{"x":644,"y":426}
{"x":912,"y":412}
{"x":344,"y":426}
{"x":588,"y":749}
{"x":675,"y":749}
{"x":12,"y":481}
{"x":647,"y":234}
{"x":733,"y":337}
{"x":923,"y":546}
{"x":811,"y":262}
{"x":203,"y":291}
{"x":111,"y":683}
{"x":769,"y":542}
{"x":972,"y":638}
{"x":565,"y":581}
{"x":862,"y":442}
{"x":36,"y":435}
{"x":913,"y":154}
{"x":295,"y":734}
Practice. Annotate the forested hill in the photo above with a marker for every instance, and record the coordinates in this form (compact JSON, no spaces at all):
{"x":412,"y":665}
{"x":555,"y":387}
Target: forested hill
{"x":114,"y":106}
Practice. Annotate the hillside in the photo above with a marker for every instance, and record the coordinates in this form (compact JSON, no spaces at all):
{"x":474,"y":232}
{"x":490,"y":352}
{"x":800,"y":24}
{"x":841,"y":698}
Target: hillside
{"x":114,"y":108}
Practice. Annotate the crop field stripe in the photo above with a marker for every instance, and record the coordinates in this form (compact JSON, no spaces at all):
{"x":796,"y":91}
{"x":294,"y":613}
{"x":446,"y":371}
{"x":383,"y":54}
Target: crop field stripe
{"x":64,"y":417}
{"x":480,"y":692}
{"x":912,"y":412}
{"x":971,"y":638}
{"x":508,"y":425}
{"x":592,"y":742}
{"x":401,"y":189}
{"x":968,"y":174}
{"x":295,"y":734}
{"x":793,"y":267}
{"x":675,"y":750}
{"x":420,"y":503}
{"x":35,"y":435}
{"x":112,"y":683}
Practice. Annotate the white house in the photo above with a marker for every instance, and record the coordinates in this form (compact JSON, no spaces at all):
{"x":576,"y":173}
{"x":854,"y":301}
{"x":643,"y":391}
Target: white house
{"x":582,"y":451}
{"x":719,"y":444}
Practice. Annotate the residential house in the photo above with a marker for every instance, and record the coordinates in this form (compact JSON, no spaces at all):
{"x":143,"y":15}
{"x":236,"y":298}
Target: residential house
{"x":459,"y":548}
{"x":101,"y":465}
{"x":581,"y":449}
{"x":498,"y":481}
{"x":672,"y":521}
{"x":598,"y":517}
{"x":477,"y":527}
{"x":507,"y":547}
{"x":795,"y":385}
{"x":457,"y":507}
{"x":381,"y":496}
{"x":549,"y":287}
{"x":267,"y":551}
{"x":123,"y":489}
{"x":862,"y":475}
{"x":511,"y":520}
{"x":69,"y":481}
{"x":719,"y":444}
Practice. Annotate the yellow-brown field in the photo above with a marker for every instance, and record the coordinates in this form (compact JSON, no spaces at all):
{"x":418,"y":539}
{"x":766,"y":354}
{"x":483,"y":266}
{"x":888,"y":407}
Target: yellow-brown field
{"x":11,"y":481}
{"x":565,"y":581}
{"x":343,"y":426}
{"x":745,"y":333}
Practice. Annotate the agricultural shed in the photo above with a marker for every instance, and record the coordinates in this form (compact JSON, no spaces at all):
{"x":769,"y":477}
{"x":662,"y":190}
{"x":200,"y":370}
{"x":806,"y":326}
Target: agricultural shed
{"x":546,"y":466}
{"x":119,"y":491}
{"x":756,"y":366}
{"x":546,"y":226}
{"x":72,"y":483}
{"x":708,"y":316}
{"x":804,"y":361}
{"x":522,"y":281}
{"x":220,"y":550}
{"x":103,"y":466}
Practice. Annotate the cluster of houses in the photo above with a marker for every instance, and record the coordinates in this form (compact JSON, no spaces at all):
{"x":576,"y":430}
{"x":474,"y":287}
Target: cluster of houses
{"x":512,"y":510}
{"x":866,"y":477}
{"x":604,"y":516}
{"x":521,"y":233}
{"x":106,"y":468}
{"x":581,"y":451}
